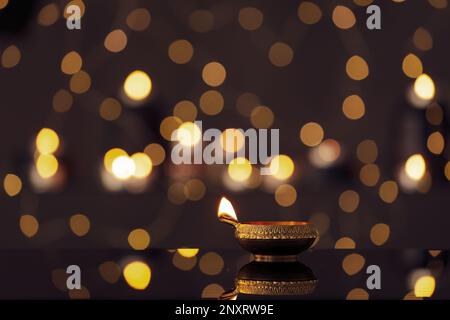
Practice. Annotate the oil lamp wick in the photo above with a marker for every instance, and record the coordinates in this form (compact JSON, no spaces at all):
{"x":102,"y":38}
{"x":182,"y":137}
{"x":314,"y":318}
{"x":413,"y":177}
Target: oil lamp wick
{"x":226,"y":212}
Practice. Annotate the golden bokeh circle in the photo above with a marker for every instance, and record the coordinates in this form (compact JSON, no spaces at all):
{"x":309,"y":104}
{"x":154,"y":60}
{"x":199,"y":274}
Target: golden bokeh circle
{"x":281,"y":54}
{"x":11,"y":57}
{"x":138,"y":19}
{"x":29,"y":225}
{"x":353,"y":263}
{"x":388,"y":191}
{"x":12,"y":184}
{"x":116,"y":41}
{"x":80,"y":82}
{"x":262,"y":117}
{"x":343,"y":17}
{"x":353,"y":107}
{"x":285,"y":195}
{"x":349,"y":201}
{"x":139,"y":239}
{"x":156,"y":153}
{"x":309,"y":13}
{"x":311,"y":134}
{"x":357,"y":68}
{"x":412,"y":66}
{"x":380,"y":233}
{"x":214,"y":74}
{"x":367,"y":151}
{"x":250,"y":18}
{"x":79,"y":224}
{"x":181,"y":51}
{"x":211,"y":102}
{"x":110,"y":109}
{"x":211,"y":263}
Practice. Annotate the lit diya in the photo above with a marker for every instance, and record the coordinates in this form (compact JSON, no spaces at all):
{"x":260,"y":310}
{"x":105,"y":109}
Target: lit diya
{"x":270,"y":240}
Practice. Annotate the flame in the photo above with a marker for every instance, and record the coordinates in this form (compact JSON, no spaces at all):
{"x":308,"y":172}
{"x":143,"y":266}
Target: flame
{"x":226,"y":210}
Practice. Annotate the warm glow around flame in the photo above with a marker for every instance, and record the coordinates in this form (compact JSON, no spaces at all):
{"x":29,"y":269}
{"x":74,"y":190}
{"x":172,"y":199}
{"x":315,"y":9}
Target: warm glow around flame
{"x":226,"y":209}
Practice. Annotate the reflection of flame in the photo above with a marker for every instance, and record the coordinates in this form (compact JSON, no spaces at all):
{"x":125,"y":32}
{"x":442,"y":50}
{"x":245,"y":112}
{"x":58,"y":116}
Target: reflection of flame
{"x":226,"y":210}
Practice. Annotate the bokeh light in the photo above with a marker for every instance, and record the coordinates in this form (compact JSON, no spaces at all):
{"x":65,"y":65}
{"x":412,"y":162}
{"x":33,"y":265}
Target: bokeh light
{"x":357,"y":68}
{"x":71,"y":63}
{"x":412,"y":66}
{"x":168,"y":126}
{"x":353,"y":107}
{"x":48,"y":15}
{"x":345,"y":243}
{"x":194,"y":189}
{"x":211,"y":263}
{"x":281,"y":167}
{"x":181,"y":51}
{"x":47,"y":141}
{"x":239,"y":169}
{"x":232,"y":140}
{"x":349,"y":201}
{"x":110,"y":109}
{"x":343,"y":17}
{"x":139,"y":239}
{"x":137,"y":85}
{"x":281,"y":54}
{"x":137,"y":274}
{"x":214,"y":74}
{"x":156,"y":153}
{"x":62,"y":101}
{"x":189,"y":134}
{"x":380,"y":233}
{"x":12,"y":185}
{"x":80,"y":82}
{"x":369,"y":174}
{"x":29,"y":225}
{"x":139,"y":19}
{"x":201,"y":21}
{"x":188,"y":252}
{"x":357,"y":294}
{"x":422,"y":39}
{"x":424,"y":286}
{"x":311,"y":134}
{"x":143,"y":165}
{"x":261,"y":117}
{"x":116,"y":41}
{"x":285,"y":195}
{"x":367,"y":151}
{"x":112,"y":155}
{"x":211,"y":102}
{"x":185,"y":110}
{"x":250,"y":18}
{"x":436,"y":143}
{"x":353,"y":263}
{"x":388,"y":191}
{"x":424,"y":87}
{"x":415,"y":167}
{"x":46,"y":165}
{"x":80,"y":224}
{"x":123,"y":167}
{"x":308,"y":12}
{"x":11,"y":57}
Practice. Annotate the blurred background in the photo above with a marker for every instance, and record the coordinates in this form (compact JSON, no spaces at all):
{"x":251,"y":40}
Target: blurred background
{"x":86,"y":118}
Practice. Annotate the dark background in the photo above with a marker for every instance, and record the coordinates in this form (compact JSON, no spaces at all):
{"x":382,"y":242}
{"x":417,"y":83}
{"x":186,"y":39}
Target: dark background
{"x":311,"y":88}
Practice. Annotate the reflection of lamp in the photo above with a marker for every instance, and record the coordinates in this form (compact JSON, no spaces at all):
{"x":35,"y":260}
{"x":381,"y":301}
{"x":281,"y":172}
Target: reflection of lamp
{"x":273,"y":279}
{"x":270,"y":240}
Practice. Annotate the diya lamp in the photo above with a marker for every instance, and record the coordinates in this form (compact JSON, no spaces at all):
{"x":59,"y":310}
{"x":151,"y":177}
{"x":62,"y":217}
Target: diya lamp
{"x":270,"y":241}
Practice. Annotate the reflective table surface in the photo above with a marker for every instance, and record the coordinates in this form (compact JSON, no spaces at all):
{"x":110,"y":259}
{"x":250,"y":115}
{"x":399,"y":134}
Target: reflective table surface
{"x":227,"y":274}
